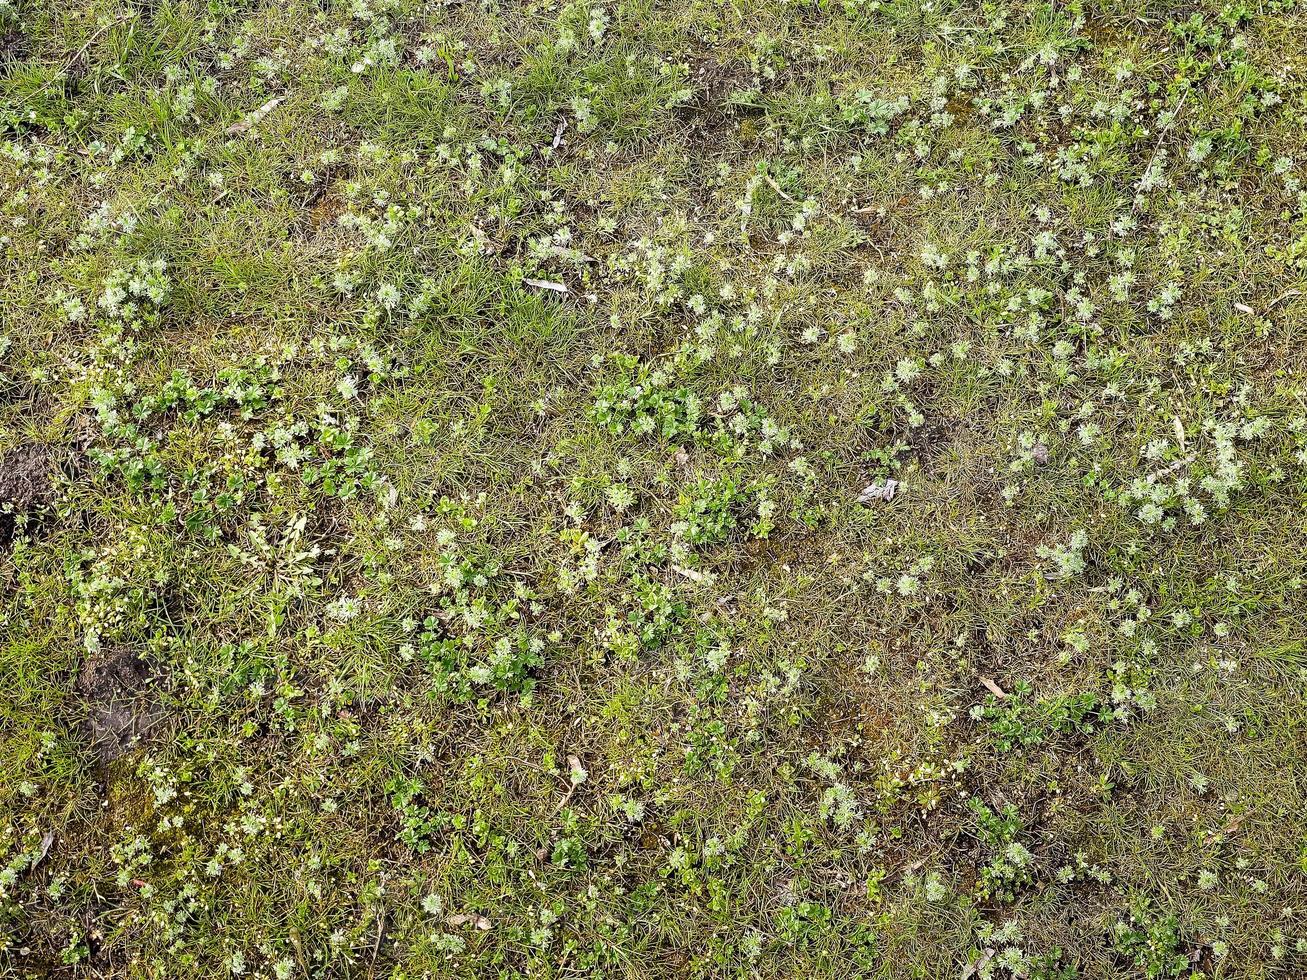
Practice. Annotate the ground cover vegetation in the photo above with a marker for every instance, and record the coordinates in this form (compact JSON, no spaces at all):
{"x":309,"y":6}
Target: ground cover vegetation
{"x":653,"y":488}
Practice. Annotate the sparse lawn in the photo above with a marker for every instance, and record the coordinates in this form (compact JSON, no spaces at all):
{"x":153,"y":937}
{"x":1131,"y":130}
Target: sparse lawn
{"x":642,"y":490}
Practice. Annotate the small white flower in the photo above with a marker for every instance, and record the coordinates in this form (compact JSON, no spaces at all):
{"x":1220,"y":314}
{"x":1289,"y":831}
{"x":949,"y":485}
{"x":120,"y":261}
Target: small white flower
{"x":344,"y":608}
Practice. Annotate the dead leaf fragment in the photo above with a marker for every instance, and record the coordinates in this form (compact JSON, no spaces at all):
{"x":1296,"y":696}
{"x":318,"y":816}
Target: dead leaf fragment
{"x":1228,"y":829}
{"x":465,"y":918}
{"x":694,"y":575}
{"x":878,"y":491}
{"x":47,"y":840}
{"x":981,"y":962}
{"x":993,"y":688}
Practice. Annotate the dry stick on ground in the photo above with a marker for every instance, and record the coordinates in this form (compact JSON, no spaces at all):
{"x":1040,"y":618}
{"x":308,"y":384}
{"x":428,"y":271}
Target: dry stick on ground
{"x":254,"y":118}
{"x":771,"y":182}
{"x":573,"y":764}
{"x":77,"y":55}
{"x":1287,"y":294}
{"x":381,"y":928}
{"x":1161,"y":138}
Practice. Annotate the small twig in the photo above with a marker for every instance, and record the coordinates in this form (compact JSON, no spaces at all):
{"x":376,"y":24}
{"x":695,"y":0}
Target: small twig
{"x":771,"y":182}
{"x":77,"y":55}
{"x":1161,"y":137}
{"x":381,"y":928}
{"x":1287,"y":294}
{"x":255,"y":117}
{"x":915,"y":866}
{"x":573,"y":765}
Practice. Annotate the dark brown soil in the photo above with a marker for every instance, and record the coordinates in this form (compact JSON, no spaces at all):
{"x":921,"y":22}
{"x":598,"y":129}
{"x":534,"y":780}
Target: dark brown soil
{"x":113,"y":684}
{"x":26,"y":483}
{"x":713,"y":86}
{"x":931,"y":438}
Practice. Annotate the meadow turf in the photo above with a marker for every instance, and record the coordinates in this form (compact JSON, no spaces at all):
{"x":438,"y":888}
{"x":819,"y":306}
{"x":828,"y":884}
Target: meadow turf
{"x":653,"y":489}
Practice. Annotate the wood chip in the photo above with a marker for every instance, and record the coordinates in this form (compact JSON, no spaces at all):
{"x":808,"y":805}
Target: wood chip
{"x":254,"y":118}
{"x":556,"y":287}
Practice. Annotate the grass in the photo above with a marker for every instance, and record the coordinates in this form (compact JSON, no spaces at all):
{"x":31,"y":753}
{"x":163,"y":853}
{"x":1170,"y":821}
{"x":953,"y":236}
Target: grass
{"x":646,"y":489}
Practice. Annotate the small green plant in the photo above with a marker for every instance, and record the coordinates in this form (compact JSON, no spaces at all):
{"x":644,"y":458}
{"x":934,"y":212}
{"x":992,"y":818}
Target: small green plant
{"x":709,"y":511}
{"x":1152,"y":942}
{"x":646,"y":401}
{"x":417,"y":824}
{"x":1018,"y":721}
{"x":1068,"y":560}
{"x":480,"y":640}
{"x":1008,"y":862}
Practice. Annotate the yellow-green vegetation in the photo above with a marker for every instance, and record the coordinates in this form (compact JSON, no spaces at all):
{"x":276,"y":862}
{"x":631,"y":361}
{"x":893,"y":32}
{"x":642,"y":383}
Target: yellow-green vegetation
{"x":653,"y":489}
